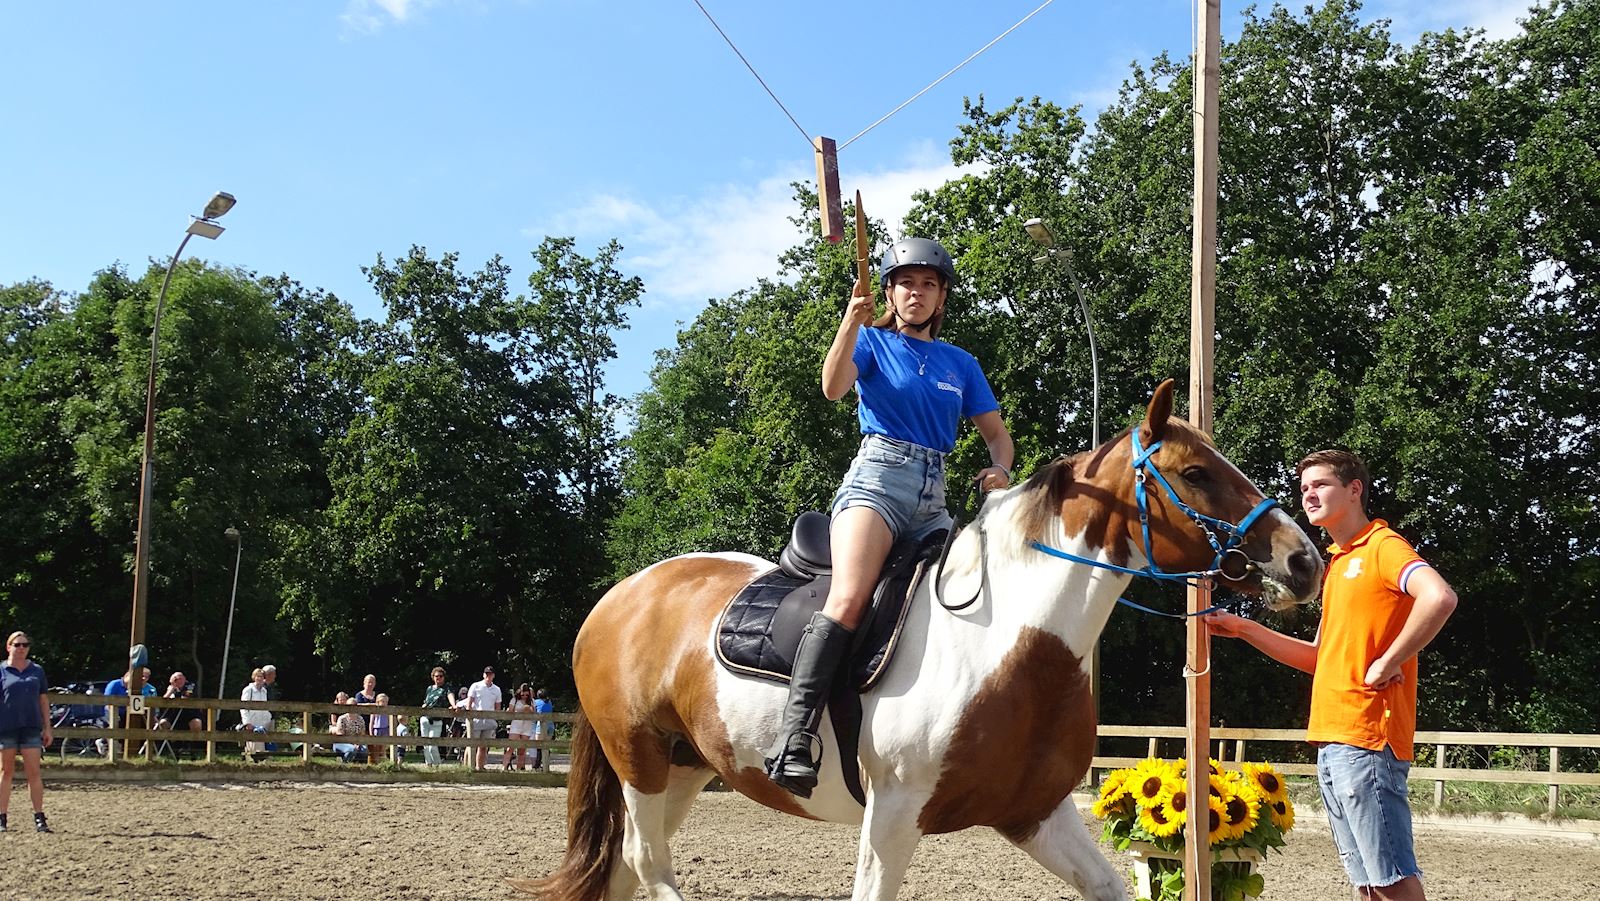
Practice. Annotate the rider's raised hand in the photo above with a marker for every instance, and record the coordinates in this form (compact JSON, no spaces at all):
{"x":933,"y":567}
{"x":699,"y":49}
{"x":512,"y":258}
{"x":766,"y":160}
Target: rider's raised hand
{"x":862,"y":305}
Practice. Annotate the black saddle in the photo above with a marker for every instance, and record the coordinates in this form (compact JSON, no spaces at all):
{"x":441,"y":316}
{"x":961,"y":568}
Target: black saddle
{"x":760,"y":628}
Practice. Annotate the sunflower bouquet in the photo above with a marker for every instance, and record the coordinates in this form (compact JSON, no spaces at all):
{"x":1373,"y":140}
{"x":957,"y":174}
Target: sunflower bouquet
{"x":1247,"y":812}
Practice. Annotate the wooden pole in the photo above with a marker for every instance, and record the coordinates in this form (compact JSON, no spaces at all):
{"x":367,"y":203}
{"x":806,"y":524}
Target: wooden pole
{"x":1202,"y":331}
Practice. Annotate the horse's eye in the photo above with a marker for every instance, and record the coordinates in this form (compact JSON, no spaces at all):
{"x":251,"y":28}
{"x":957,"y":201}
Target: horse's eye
{"x":1196,"y":475}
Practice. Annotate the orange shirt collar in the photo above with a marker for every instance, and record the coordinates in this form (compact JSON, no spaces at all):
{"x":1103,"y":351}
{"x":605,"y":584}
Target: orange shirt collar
{"x":1335,"y":550}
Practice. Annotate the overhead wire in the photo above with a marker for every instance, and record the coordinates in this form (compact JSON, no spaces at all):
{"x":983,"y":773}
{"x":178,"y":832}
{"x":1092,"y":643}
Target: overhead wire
{"x":886,"y":116}
{"x":953,"y":71}
{"x":753,"y":71}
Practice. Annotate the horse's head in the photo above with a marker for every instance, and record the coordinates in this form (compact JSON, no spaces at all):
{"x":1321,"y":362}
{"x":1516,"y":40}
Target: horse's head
{"x":1200,"y":513}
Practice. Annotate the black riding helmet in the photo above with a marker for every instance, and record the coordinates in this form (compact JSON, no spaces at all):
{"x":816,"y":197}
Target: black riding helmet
{"x":917,"y":252}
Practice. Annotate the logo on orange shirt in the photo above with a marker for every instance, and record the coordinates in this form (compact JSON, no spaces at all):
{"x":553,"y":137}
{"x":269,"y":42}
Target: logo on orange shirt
{"x":1354,"y":569}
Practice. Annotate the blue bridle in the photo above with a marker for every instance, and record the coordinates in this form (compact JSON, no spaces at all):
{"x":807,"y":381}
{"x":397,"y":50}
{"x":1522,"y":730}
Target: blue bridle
{"x":1225,"y":537}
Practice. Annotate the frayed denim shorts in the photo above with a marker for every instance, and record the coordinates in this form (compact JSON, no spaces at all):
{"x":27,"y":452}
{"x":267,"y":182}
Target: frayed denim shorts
{"x":901,"y":481}
{"x":21,"y":739}
{"x":1365,"y":795}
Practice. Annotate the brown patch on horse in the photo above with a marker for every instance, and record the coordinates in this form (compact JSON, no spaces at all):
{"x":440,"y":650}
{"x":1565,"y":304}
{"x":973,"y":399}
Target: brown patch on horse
{"x":700,"y":722}
{"x":1020,"y":747}
{"x":642,"y":666}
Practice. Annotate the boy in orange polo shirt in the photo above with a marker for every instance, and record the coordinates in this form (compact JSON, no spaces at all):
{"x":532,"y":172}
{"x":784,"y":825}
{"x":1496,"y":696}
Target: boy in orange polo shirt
{"x":1381,"y":605}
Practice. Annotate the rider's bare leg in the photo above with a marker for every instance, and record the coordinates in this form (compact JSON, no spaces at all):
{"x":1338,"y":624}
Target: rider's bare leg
{"x":861,"y":541}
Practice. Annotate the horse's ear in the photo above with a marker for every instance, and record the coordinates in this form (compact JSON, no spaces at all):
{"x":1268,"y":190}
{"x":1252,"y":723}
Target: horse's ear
{"x":1155,"y":418}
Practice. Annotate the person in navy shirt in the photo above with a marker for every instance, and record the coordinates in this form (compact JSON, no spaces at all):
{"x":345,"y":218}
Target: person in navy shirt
{"x":913,"y":392}
{"x":24,"y":726}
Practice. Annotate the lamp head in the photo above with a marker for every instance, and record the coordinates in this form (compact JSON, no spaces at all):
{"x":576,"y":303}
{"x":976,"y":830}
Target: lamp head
{"x":220,"y":203}
{"x":1039,"y":232}
{"x":232,"y":533}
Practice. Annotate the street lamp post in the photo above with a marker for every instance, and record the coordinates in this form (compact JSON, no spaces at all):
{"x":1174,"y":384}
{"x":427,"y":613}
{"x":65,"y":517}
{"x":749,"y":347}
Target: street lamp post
{"x":227,"y":640}
{"x":1041,"y":235}
{"x":205,"y":226}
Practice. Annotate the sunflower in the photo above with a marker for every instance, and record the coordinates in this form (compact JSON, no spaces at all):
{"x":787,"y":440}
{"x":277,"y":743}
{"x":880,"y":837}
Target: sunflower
{"x":1219,"y":819}
{"x":1148,"y":789}
{"x":1240,"y":811}
{"x":1267,"y":781}
{"x":1282,"y":813}
{"x":1159,"y":821}
{"x":1177,"y":805}
{"x":1220,"y":786}
{"x":1114,"y":795}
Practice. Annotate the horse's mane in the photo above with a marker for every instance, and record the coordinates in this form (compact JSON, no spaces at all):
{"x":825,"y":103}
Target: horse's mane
{"x":1043,"y":493}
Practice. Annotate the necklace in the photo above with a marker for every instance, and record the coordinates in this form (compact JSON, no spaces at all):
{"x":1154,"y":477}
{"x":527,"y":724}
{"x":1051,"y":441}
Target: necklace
{"x":922,"y":359}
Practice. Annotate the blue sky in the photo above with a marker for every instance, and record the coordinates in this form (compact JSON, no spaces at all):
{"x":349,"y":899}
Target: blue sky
{"x":347,"y":128}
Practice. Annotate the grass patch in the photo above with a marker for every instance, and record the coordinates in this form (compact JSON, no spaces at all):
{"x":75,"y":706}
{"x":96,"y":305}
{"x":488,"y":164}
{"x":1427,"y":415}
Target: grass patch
{"x":1578,"y":802}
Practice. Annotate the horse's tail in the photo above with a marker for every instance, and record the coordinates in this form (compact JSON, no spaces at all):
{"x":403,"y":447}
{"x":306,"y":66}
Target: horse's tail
{"x":594,"y":824}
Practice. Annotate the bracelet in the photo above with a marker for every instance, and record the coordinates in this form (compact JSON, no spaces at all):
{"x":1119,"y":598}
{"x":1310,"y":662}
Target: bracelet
{"x":1002,"y":469}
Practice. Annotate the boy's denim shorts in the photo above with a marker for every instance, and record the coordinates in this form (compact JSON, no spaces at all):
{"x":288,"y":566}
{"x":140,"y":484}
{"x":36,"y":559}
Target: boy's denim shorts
{"x":901,"y":481}
{"x":1365,"y":795}
{"x":21,"y":739}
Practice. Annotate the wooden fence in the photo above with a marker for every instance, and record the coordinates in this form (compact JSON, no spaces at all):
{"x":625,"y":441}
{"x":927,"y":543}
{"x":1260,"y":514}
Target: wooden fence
{"x":1223,"y":736}
{"x":142,"y":742}
{"x":1227,"y":739}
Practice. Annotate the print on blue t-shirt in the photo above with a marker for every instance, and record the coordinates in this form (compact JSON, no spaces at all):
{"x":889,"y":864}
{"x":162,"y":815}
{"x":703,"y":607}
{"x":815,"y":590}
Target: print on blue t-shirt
{"x":917,"y":391}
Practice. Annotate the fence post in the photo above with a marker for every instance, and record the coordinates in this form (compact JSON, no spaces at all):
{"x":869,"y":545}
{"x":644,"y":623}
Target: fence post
{"x":305,"y":728}
{"x":111,"y":744}
{"x":1438,"y":784}
{"x":1555,"y":790}
{"x":211,"y":726}
{"x":1238,"y":751}
{"x":1152,"y":747}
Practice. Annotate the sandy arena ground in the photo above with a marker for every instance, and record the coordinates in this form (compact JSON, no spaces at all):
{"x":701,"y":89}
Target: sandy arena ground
{"x":366,"y":843}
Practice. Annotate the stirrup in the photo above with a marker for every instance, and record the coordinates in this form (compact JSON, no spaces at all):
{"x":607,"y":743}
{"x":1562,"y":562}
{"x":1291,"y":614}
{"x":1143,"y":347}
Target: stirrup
{"x":795,"y":769}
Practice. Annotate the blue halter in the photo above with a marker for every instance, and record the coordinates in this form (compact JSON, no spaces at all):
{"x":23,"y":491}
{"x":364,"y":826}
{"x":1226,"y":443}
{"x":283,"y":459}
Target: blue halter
{"x":1225,"y":537}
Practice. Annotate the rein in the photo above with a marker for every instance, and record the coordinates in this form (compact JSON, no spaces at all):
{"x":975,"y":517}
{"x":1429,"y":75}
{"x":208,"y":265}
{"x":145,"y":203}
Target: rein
{"x":1230,"y":562}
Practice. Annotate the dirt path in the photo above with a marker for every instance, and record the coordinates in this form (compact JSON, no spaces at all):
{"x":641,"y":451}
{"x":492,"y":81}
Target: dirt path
{"x":369,"y":843}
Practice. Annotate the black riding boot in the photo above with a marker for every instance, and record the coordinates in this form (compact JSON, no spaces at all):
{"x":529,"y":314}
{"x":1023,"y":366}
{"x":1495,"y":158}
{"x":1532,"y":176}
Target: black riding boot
{"x":790,"y":761}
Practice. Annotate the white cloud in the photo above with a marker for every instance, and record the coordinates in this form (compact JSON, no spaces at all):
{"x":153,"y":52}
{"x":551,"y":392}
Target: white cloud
{"x":690,"y":249}
{"x":1497,"y":18}
{"x":371,"y":15}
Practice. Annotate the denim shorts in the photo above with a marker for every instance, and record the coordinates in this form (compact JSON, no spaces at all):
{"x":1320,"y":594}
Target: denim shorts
{"x":1365,"y":795}
{"x":21,"y":739}
{"x":901,"y":481}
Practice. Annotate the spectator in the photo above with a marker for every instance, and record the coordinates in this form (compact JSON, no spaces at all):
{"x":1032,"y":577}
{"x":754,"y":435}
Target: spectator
{"x":255,"y":720}
{"x":437,"y":697}
{"x":273,"y":693}
{"x":349,"y":724}
{"x":541,"y":731}
{"x":186,"y":718}
{"x":378,"y":724}
{"x":24,"y":726}
{"x":125,"y":718}
{"x":369,"y":690}
{"x":520,"y":730}
{"x":483,"y":695}
{"x":460,"y":726}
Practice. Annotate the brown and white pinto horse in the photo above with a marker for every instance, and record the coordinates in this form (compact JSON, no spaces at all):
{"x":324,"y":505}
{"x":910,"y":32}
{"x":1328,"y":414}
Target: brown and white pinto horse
{"x":983,"y":718}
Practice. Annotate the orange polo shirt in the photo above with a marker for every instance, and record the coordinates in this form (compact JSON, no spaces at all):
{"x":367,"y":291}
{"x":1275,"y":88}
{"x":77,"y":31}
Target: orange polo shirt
{"x":1364,"y":607}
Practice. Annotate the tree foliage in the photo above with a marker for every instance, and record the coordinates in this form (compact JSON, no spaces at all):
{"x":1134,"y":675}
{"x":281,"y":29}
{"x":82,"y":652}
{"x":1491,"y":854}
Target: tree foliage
{"x":1407,"y":266}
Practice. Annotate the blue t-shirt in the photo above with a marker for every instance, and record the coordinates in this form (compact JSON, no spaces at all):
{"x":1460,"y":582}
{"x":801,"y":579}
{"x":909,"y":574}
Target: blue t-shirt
{"x":917,"y":391}
{"x":19,"y":697}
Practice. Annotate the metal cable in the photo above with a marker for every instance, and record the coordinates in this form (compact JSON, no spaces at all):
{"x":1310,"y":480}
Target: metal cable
{"x":936,"y":81}
{"x":753,"y":71}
